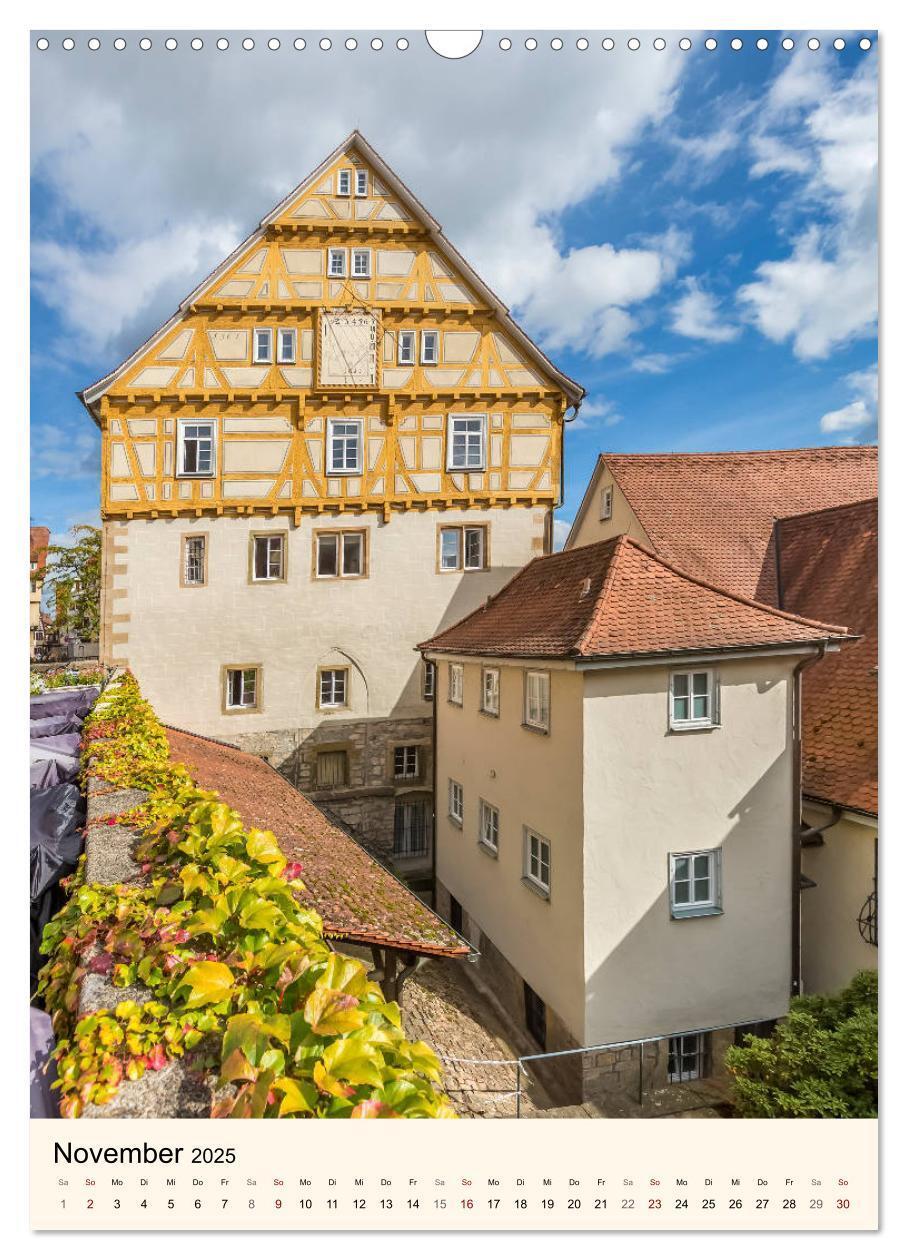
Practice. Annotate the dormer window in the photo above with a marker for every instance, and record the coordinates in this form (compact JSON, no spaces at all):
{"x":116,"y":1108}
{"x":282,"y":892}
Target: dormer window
{"x":262,"y":345}
{"x":605,"y":505}
{"x":337,"y":262}
{"x":428,"y":347}
{"x":344,"y":182}
{"x":362,"y":183}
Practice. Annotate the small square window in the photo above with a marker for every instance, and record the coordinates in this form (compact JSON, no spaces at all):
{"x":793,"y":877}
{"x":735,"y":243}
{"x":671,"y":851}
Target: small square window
{"x":537,"y":861}
{"x":428,"y":680}
{"x":345,"y":447}
{"x":268,"y":557}
{"x":362,"y":183}
{"x":362,"y":263}
{"x":262,"y":343}
{"x":332,"y":688}
{"x":344,"y":182}
{"x":694,"y":883}
{"x":536,"y":700}
{"x":488,"y":826}
{"x":340,"y":554}
{"x":286,"y":345}
{"x":331,"y":769}
{"x":194,"y":560}
{"x":693,"y":700}
{"x":455,"y":683}
{"x":406,"y":761}
{"x":406,"y":348}
{"x":490,"y":688}
{"x":196,"y":448}
{"x":428,"y":352}
{"x":466,"y":443}
{"x":455,"y":801}
{"x":241,"y":687}
{"x":687,"y":1057}
{"x":337,"y":262}
{"x":605,"y":505}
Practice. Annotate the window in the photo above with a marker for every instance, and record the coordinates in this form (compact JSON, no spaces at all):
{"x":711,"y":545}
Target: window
{"x":194,"y":560}
{"x":462,"y":547}
{"x":428,"y":347}
{"x":694,"y":883}
{"x":534,"y":1010}
{"x":331,"y":769}
{"x":455,"y":683}
{"x":536,"y":700}
{"x":488,"y":826}
{"x":196,"y":448}
{"x":428,"y":680}
{"x":268,"y":557}
{"x":341,"y":554}
{"x":605,"y":506}
{"x":406,"y":348}
{"x":332,"y":688}
{"x":693,"y":702}
{"x":345,"y":446}
{"x":687,"y":1057}
{"x":362,"y":262}
{"x":412,"y":828}
{"x":337,"y":262}
{"x":344,"y":182}
{"x":455,"y":802}
{"x":286,"y":345}
{"x":490,"y":686}
{"x":406,"y":761}
{"x":466,"y":442}
{"x":262,"y":340}
{"x":537,"y":861}
{"x":241,"y":687}
{"x":362,"y":183}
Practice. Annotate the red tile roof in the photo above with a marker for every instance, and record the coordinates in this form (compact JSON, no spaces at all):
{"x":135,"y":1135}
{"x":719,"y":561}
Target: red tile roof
{"x":358,"y":899}
{"x":713,"y":514}
{"x":616,"y":599}
{"x":39,"y":539}
{"x":828,"y":563}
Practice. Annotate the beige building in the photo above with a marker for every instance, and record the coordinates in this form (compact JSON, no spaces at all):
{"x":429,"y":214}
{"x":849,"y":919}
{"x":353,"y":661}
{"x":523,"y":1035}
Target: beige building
{"x":39,"y":539}
{"x":617,"y":777}
{"x":338,"y":444}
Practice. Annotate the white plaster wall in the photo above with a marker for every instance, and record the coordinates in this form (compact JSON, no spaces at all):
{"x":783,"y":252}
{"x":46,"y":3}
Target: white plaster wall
{"x":179,"y":637}
{"x":832,"y":948}
{"x":590,"y":528}
{"x":649,"y":792}
{"x":534,"y":780}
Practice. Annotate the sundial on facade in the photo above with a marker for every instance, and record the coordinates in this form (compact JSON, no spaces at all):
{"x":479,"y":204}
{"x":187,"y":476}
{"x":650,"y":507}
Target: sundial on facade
{"x":348,"y":348}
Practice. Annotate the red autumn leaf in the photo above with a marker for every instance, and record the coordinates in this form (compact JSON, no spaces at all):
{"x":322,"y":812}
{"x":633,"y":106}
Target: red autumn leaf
{"x":101,"y":964}
{"x":156,"y":1058}
{"x":293,"y":870}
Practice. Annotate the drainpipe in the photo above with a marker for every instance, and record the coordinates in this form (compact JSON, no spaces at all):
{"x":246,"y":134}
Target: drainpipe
{"x":796,"y":818}
{"x":811,"y":837}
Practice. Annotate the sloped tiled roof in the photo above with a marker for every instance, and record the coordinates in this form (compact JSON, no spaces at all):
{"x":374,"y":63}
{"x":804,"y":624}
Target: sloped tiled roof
{"x":38,"y":541}
{"x":616,"y":599}
{"x":828,"y":563}
{"x":357,"y":898}
{"x":713,"y":514}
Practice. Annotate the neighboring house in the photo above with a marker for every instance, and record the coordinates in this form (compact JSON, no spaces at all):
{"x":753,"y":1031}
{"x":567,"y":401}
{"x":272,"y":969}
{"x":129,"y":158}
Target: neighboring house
{"x":338,"y":443}
{"x":617,"y":776}
{"x":713,"y":514}
{"x":38,"y":543}
{"x":828,"y":569}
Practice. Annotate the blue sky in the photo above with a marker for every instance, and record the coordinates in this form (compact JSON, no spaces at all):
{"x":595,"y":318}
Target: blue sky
{"x":690,"y":234}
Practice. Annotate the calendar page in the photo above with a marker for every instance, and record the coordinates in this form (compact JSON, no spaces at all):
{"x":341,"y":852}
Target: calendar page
{"x":453,"y":628}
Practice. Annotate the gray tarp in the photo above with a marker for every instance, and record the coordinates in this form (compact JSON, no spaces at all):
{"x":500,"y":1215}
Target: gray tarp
{"x":75,"y":701}
{"x":40,"y":1068}
{"x":63,"y":724}
{"x":57,"y":816}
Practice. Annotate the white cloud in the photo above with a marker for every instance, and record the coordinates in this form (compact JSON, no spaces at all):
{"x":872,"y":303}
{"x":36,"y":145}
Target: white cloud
{"x":855,"y":416}
{"x":64,"y":451}
{"x":861,"y":412}
{"x":696,"y":314}
{"x":597,"y":413}
{"x":560,"y":531}
{"x":655,"y":364}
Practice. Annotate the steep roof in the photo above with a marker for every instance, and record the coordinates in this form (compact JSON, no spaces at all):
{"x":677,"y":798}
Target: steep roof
{"x":38,"y":542}
{"x":355,"y":142}
{"x":357,"y":898}
{"x":828,"y":569}
{"x":713,"y":514}
{"x":617,"y":599}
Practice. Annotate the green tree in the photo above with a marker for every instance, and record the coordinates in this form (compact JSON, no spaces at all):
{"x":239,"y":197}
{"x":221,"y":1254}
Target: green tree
{"x":820,"y":1061}
{"x":75,"y":575}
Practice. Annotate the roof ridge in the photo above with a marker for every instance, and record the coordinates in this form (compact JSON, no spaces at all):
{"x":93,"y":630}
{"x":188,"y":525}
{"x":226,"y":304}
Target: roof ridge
{"x":835,"y":507}
{"x":489,"y":599}
{"x":717,"y":455}
{"x":604,"y":591}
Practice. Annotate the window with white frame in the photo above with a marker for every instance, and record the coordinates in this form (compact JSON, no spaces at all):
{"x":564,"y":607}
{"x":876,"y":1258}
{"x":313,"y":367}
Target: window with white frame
{"x":241,"y":687}
{"x":536,"y":700}
{"x":362,"y":263}
{"x":332,"y":688}
{"x":428,"y":680}
{"x":693,"y":700}
{"x":406,"y":761}
{"x":488,"y":826}
{"x":337,"y":262}
{"x":362,"y":183}
{"x":537,"y":860}
{"x":605,"y":504}
{"x":687,"y":1057}
{"x":269,"y":557}
{"x":406,"y":348}
{"x":344,"y":182}
{"x":262,"y":345}
{"x":286,"y":345}
{"x":196,"y":456}
{"x":428,"y":347}
{"x":466,"y":443}
{"x":455,"y":683}
{"x":345,"y":446}
{"x":455,"y":801}
{"x":462,"y":547}
{"x":694,"y":883}
{"x":340,"y":553}
{"x":490,"y":688}
{"x":194,"y":566}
